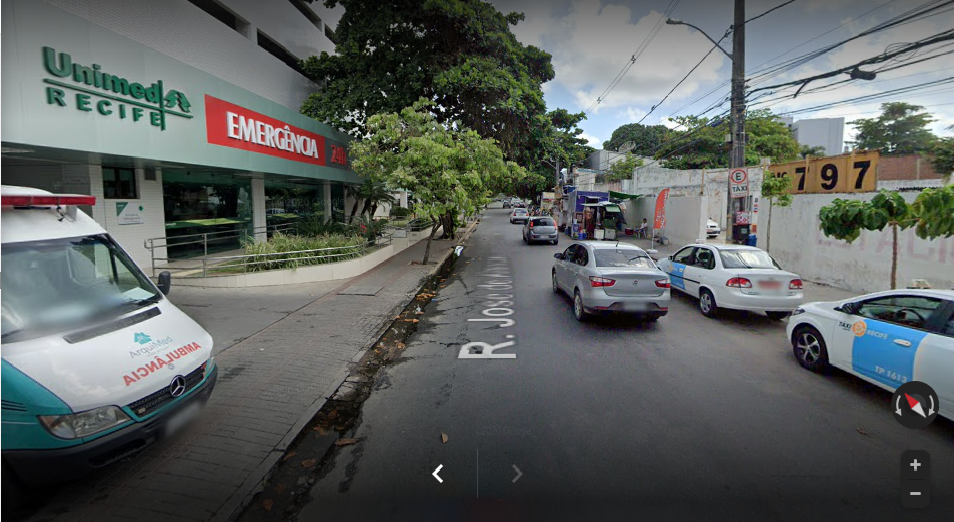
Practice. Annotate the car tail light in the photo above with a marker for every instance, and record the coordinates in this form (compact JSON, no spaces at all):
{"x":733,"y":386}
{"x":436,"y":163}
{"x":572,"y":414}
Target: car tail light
{"x":531,"y":223}
{"x":739,"y":282}
{"x":796,"y":284}
{"x":46,"y":200}
{"x":601,"y":281}
{"x":662,"y":283}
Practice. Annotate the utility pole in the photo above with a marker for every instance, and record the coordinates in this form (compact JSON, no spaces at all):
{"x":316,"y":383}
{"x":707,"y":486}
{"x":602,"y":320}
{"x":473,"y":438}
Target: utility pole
{"x":737,"y":156}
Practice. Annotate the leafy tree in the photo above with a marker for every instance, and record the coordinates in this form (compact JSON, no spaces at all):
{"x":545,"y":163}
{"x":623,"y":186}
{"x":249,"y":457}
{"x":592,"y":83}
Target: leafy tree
{"x":623,"y":169}
{"x":373,"y":193}
{"x":943,"y":161}
{"x":812,"y":150}
{"x":845,"y":219}
{"x":460,"y":54}
{"x":703,"y":145}
{"x":900,"y":129}
{"x":776,"y":190}
{"x":449,"y":168}
{"x":646,"y":138}
{"x":934,"y":211}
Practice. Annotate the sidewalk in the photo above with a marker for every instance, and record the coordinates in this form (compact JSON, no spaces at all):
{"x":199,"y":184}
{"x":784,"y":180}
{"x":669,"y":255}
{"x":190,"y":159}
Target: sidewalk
{"x":269,"y":386}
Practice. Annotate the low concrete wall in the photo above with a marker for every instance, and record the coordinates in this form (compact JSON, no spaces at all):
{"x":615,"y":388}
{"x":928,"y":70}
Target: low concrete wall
{"x":864,"y":265}
{"x":685,"y":219}
{"x":307,"y":274}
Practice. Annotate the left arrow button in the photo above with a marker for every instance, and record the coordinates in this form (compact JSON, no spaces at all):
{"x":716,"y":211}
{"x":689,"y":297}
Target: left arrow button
{"x":436,"y":471}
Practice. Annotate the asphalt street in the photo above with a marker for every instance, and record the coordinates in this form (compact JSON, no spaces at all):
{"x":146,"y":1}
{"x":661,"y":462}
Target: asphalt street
{"x":688,"y":418}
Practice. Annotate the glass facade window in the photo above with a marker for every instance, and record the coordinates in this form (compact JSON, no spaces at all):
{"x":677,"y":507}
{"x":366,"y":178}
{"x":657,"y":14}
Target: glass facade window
{"x":287,"y":202}
{"x":119,"y":183}
{"x":206,"y":211}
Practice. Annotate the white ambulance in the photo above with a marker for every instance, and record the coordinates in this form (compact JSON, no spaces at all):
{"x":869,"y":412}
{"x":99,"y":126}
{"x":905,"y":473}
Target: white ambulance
{"x":97,"y":363}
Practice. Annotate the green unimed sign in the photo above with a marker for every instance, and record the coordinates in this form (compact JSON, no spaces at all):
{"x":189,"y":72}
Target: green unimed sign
{"x":127,"y":214}
{"x":89,"y":88}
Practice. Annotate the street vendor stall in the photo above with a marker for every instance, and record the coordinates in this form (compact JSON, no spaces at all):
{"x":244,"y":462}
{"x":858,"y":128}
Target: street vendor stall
{"x":608,"y":219}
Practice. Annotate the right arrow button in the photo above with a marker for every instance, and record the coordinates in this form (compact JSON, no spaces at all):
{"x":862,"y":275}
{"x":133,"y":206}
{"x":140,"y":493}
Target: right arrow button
{"x":519,"y":474}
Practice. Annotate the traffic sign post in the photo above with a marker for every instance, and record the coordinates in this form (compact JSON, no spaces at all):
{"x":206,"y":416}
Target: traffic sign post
{"x":739,"y":183}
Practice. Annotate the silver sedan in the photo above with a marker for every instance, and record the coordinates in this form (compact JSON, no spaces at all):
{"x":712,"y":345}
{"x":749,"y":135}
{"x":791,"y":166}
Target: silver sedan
{"x":611,"y":277}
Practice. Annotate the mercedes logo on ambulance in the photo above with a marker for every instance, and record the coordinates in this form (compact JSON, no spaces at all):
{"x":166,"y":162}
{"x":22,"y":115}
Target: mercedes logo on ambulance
{"x":178,"y":386}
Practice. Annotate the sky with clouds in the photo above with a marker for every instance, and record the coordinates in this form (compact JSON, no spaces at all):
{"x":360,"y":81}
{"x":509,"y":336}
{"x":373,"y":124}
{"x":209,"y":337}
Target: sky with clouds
{"x":591,"y":41}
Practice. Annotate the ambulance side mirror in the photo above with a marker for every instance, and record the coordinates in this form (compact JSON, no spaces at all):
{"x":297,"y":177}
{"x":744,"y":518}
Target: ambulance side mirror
{"x":165,"y":282}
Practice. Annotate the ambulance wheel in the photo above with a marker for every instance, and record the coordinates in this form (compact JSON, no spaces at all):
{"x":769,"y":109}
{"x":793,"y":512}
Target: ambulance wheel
{"x":809,"y":348}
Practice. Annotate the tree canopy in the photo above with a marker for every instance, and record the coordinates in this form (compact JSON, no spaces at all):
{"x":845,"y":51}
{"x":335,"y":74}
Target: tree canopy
{"x":647,"y":139}
{"x":450,"y":169}
{"x":460,"y":54}
{"x":902,"y":128}
{"x":703,"y":145}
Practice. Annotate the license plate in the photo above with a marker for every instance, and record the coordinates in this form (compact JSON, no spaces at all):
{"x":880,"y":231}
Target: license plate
{"x":634,"y":307}
{"x":182,"y":417}
{"x":771,"y":285}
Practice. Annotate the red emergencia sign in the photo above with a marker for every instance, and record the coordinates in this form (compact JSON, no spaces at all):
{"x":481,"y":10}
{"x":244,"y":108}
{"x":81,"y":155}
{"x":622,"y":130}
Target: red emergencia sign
{"x":234,"y":126}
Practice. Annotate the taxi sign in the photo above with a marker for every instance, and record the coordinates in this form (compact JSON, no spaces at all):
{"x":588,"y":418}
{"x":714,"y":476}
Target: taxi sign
{"x":739,"y":183}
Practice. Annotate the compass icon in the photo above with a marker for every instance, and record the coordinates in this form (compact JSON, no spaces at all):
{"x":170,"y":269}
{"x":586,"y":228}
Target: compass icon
{"x":915,"y":405}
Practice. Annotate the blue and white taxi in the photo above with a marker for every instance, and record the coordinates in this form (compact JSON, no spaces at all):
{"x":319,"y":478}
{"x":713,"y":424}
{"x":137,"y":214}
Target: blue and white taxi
{"x":886,"y":338}
{"x":736,"y":277}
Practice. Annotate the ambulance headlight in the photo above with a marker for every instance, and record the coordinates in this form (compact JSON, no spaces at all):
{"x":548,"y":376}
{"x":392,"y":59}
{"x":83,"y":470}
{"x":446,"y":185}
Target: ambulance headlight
{"x":83,"y":424}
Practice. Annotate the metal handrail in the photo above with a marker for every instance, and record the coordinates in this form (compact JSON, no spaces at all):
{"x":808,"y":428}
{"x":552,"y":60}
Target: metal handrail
{"x":151,"y":245}
{"x":219,"y":262}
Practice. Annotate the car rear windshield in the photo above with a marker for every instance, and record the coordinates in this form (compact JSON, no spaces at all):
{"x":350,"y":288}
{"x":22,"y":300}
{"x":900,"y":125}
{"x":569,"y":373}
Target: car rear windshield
{"x":519,"y":211}
{"x":748,"y":259}
{"x":542,"y":222}
{"x":626,"y":258}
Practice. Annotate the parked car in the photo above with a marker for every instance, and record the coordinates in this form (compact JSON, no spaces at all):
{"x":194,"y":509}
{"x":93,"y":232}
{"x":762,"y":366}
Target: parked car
{"x":611,"y":277}
{"x":519,"y":215}
{"x":733,"y":276}
{"x":712,"y":228}
{"x":540,"y":229}
{"x":886,"y":338}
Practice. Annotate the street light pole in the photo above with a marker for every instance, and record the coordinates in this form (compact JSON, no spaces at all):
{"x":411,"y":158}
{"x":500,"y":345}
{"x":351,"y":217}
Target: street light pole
{"x":737,"y":111}
{"x":737,"y":156}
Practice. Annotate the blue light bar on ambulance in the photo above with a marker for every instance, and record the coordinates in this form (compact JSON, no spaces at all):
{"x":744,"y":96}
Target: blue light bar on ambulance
{"x":45,"y":200}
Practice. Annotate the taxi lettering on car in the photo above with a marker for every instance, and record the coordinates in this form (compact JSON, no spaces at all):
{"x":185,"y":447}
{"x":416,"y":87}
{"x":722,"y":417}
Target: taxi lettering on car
{"x":886,"y":338}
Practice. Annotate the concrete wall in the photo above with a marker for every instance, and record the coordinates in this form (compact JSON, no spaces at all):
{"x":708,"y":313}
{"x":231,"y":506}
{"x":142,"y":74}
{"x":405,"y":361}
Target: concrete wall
{"x":906,"y":167}
{"x":862,"y":266}
{"x":685,"y":219}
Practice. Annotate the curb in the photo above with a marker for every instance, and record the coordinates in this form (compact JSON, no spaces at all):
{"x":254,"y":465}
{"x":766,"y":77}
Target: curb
{"x":254,"y":483}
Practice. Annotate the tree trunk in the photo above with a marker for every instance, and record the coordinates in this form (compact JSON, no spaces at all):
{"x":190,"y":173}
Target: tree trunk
{"x":894,"y":256}
{"x":427,"y":249}
{"x":768,"y":229}
{"x":447,"y":221}
{"x":367,"y":205}
{"x":374,"y":210}
{"x":354,"y":209}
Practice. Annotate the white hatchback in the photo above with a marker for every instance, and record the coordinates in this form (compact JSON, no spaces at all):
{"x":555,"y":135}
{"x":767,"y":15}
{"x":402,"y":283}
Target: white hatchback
{"x":887,"y":338}
{"x":735,"y":277}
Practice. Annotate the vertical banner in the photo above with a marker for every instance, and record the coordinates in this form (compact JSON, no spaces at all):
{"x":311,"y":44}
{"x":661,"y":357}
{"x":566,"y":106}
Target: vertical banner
{"x":659,"y":220}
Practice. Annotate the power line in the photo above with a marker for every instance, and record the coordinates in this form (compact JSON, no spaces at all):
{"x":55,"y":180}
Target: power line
{"x":769,"y":11}
{"x":639,"y":51}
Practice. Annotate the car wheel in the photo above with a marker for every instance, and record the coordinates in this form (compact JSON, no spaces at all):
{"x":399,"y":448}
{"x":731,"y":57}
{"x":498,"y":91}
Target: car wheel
{"x":556,"y":241}
{"x":652,"y":318}
{"x":556,"y":286}
{"x":707,"y":303}
{"x":778,"y":316}
{"x":578,"y":310}
{"x":809,"y":348}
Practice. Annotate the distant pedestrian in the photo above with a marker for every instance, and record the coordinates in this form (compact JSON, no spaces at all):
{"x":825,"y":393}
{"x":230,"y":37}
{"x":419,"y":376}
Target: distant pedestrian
{"x":643,"y":227}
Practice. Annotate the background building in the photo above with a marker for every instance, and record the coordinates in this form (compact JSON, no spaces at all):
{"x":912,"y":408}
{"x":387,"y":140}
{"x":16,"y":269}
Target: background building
{"x":823,"y":132}
{"x":181,"y":116}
